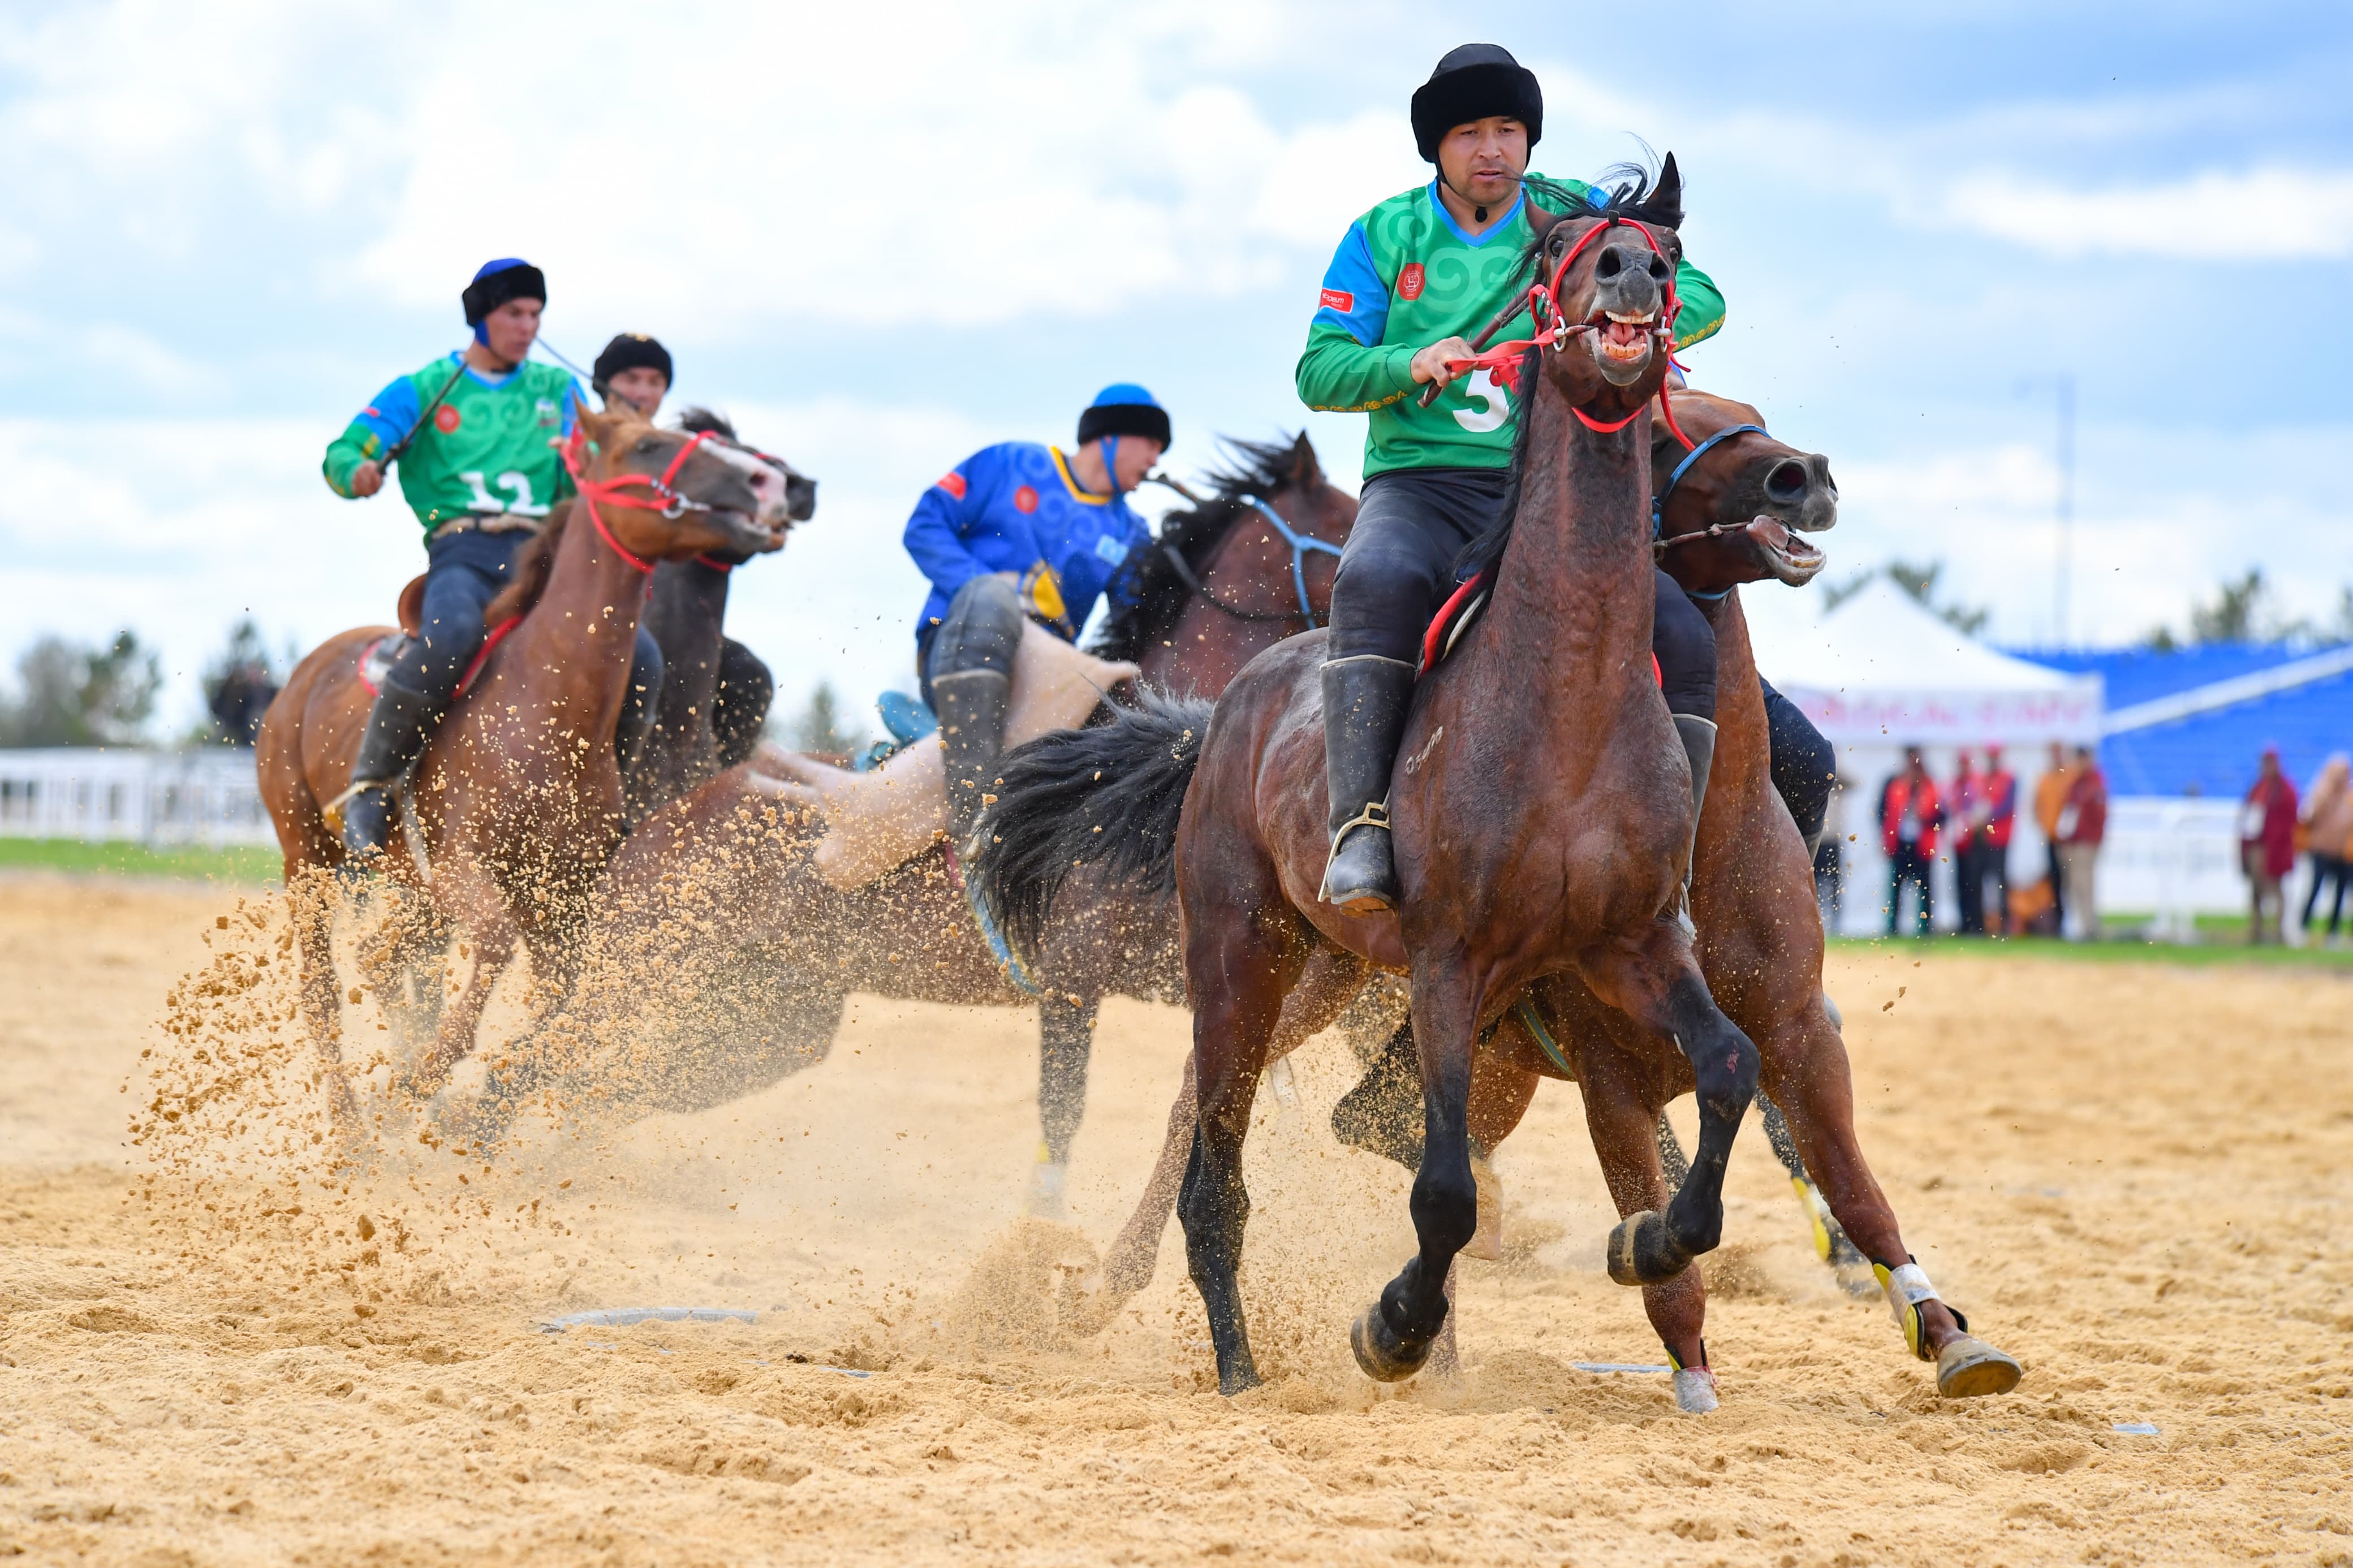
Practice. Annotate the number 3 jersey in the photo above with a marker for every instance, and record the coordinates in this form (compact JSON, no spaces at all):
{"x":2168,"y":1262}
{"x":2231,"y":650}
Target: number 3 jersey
{"x":1407,"y":277}
{"x":483,"y":450}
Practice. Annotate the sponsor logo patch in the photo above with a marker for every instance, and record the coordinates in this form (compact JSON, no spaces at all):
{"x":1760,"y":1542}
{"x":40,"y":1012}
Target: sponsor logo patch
{"x":1339,"y":299}
{"x":1025,"y":500}
{"x":952,"y":482}
{"x":1111,"y":550}
{"x":1409,"y":282}
{"x":445,"y":419}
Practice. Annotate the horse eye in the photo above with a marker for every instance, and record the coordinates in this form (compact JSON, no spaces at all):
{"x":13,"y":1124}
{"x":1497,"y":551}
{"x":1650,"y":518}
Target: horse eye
{"x":647,"y":444}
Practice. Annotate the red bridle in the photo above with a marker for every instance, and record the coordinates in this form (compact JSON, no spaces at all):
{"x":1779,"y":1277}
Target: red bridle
{"x":1501,"y":362}
{"x":593,"y":491}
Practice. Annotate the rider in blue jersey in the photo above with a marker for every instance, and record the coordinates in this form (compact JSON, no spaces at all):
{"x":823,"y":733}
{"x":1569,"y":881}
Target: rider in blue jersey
{"x":1022,"y":532}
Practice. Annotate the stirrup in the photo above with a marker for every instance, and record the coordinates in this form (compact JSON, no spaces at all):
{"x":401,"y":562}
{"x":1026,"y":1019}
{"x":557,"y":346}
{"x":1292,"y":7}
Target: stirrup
{"x":331,"y":814}
{"x":1375,"y":814}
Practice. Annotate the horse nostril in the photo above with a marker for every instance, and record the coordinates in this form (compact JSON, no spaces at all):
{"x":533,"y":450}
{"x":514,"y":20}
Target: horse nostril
{"x":1608,"y":265}
{"x":1787,"y":480}
{"x":1659,"y":268}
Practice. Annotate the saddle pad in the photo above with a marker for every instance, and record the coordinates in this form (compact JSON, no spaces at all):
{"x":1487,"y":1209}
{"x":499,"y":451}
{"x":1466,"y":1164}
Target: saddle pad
{"x":377,"y":659}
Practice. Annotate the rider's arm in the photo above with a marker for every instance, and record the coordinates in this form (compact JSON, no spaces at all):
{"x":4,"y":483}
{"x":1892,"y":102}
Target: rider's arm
{"x":1346,"y":367}
{"x":935,"y":528}
{"x":1702,"y":303}
{"x":373,"y":431}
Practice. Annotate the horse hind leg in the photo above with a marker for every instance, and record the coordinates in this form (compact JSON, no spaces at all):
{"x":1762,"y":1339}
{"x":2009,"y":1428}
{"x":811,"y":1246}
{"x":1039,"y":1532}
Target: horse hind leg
{"x":1625,"y":1123}
{"x":311,"y":897}
{"x":1830,"y":1239}
{"x":1066,"y":1029}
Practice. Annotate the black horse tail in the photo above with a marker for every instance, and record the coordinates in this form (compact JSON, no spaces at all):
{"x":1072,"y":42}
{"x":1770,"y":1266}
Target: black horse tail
{"x":1107,"y":797}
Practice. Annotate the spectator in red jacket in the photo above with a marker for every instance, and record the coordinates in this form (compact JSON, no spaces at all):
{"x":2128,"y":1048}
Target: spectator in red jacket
{"x":2082,"y":823}
{"x":1986,"y":804}
{"x":2267,"y":845}
{"x":1910,"y":813}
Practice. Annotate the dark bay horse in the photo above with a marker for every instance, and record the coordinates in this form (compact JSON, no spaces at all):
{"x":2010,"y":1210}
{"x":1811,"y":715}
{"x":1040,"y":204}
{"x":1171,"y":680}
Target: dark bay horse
{"x":715,"y":691}
{"x":729,"y":857}
{"x":516,"y":802}
{"x":1541,"y":804}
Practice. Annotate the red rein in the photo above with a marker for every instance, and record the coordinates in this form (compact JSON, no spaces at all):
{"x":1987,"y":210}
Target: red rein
{"x":1502,"y":361}
{"x":593,"y":491}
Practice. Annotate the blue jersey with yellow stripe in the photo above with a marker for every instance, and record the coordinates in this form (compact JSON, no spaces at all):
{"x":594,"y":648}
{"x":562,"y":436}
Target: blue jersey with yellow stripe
{"x":1017,"y":508}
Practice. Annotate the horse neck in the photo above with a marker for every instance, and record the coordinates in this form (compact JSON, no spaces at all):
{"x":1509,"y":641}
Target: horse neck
{"x":685,"y":614}
{"x":1207,"y":648}
{"x":564,"y":663}
{"x":1572,"y":593}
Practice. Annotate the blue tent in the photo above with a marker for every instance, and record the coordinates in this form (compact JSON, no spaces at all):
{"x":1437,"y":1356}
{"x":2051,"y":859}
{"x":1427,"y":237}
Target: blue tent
{"x":2195,"y":720}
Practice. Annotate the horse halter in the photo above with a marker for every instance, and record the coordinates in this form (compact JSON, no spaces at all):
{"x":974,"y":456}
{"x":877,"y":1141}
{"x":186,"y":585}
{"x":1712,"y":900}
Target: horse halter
{"x":1302,"y":546}
{"x":673,"y":504}
{"x":1553,"y":329}
{"x":1659,"y":501}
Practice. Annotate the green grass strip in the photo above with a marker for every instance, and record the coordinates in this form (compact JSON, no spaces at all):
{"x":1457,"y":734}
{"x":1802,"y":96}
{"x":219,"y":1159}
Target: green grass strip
{"x":243,"y":863}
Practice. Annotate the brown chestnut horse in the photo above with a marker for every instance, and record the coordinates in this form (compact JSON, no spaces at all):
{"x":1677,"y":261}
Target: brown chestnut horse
{"x":1541,"y":812}
{"x":517,"y":798}
{"x":729,"y":853}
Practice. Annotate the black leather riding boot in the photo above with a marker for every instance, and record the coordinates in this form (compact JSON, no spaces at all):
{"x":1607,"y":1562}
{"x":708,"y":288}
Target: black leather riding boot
{"x":1366,"y":699}
{"x":1698,"y":736}
{"x":971,"y":707}
{"x":397,"y":729}
{"x":637,"y":722}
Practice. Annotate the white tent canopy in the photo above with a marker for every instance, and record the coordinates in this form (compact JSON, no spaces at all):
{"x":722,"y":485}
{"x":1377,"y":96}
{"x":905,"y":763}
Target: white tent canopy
{"x":1882,"y":672}
{"x":1882,"y":669}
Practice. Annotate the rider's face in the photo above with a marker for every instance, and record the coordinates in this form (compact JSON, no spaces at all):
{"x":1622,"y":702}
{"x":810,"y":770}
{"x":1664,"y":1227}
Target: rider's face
{"x":1137,"y":454}
{"x":513,"y":328}
{"x":642,"y":387}
{"x":1484,"y":160}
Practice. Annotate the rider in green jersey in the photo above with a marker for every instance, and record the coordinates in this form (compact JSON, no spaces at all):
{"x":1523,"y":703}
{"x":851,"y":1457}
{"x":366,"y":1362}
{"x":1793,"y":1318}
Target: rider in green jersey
{"x":480,"y":470}
{"x":1411,"y":280}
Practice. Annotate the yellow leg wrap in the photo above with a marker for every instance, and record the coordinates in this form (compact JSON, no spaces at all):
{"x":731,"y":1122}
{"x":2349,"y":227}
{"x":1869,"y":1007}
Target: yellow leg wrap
{"x":1817,"y":1214}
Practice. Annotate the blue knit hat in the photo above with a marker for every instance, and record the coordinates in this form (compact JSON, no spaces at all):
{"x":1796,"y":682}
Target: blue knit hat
{"x":1124,"y":409}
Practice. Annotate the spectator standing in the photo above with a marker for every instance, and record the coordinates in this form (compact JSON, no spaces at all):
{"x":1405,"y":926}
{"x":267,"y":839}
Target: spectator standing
{"x":1909,"y":815}
{"x":2328,"y":823}
{"x":2082,"y":824}
{"x":2050,"y":800}
{"x":1988,"y":804}
{"x":2267,"y":845}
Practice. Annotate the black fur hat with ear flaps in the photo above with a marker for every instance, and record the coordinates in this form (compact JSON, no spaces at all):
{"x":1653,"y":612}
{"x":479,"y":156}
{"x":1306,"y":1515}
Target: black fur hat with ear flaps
{"x":1470,"y":83}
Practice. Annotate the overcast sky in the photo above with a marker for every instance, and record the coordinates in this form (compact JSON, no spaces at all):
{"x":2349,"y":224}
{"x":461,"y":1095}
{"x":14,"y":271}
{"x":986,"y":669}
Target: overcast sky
{"x":883,"y":235}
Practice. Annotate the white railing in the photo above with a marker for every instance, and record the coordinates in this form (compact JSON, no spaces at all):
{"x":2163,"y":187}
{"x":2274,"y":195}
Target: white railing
{"x":199,"y":797}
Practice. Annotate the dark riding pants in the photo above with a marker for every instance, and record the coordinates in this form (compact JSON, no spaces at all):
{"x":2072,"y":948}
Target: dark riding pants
{"x":1804,"y":765}
{"x":466,"y":572}
{"x":982,"y":630}
{"x":1397,"y":569}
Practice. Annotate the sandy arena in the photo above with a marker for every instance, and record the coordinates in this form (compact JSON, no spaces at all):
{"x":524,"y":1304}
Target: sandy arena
{"x":2132,"y":1177}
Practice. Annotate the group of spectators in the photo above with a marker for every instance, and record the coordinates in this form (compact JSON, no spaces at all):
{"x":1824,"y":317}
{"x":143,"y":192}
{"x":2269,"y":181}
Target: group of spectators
{"x":1977,"y":814}
{"x":2275,"y":827}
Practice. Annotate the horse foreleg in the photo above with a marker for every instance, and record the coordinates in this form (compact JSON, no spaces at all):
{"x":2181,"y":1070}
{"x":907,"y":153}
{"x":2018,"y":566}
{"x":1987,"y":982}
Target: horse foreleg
{"x":1393,"y":1337}
{"x":1621,"y":1114}
{"x":1816,"y":1088}
{"x":1654,"y":981}
{"x":312,"y":908}
{"x":493,"y":941}
{"x":1066,"y":1033}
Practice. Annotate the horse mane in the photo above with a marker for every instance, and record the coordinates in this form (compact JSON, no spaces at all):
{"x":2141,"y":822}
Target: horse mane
{"x":1249,"y":468}
{"x":695,"y":420}
{"x":1623,"y":190}
{"x":534,"y":562}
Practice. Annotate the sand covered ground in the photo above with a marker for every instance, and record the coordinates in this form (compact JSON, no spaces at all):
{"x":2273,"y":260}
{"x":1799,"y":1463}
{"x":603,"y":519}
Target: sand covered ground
{"x":2132,"y":1177}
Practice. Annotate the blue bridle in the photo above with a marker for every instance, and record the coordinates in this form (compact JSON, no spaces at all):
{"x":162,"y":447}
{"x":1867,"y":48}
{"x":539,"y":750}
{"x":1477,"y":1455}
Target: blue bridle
{"x":1659,"y":501}
{"x":1302,"y":545}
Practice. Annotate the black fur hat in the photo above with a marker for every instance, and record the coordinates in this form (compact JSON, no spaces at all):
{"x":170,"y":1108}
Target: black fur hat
{"x":632,"y":350}
{"x":510,"y":277}
{"x":1471,"y":83}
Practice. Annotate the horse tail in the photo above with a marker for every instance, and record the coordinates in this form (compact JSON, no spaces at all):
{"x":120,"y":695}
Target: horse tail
{"x":1107,"y":797}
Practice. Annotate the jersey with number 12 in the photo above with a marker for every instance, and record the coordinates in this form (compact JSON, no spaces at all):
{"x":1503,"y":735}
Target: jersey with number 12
{"x":482,"y":451}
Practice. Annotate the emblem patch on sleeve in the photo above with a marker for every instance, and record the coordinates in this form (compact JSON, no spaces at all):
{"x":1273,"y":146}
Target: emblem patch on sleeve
{"x":952,"y":482}
{"x":1339,"y":299}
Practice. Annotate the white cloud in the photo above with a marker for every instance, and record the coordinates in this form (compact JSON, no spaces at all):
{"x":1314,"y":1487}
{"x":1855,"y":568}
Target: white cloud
{"x":2256,"y":215}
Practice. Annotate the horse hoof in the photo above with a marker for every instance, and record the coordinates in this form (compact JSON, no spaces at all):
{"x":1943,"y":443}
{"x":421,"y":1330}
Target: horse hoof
{"x":1642,"y":1251}
{"x":1970,"y":1367}
{"x":1379,"y":1352}
{"x":1695,"y":1391}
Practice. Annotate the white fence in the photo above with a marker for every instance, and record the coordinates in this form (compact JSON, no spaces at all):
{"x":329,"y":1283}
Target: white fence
{"x":201,"y":796}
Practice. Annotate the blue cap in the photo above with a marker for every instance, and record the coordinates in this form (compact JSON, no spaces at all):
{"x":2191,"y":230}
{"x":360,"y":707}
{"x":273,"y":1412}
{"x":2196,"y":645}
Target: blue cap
{"x":1123,"y":408}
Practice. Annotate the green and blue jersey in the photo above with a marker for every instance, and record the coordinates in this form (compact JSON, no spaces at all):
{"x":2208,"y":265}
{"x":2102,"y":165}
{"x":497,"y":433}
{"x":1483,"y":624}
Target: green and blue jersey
{"x":1407,"y":276}
{"x":484,"y":451}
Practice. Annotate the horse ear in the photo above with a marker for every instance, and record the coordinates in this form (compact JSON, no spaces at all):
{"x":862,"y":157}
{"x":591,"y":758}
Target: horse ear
{"x":599,"y":427}
{"x":1306,"y":468}
{"x":1668,"y":193}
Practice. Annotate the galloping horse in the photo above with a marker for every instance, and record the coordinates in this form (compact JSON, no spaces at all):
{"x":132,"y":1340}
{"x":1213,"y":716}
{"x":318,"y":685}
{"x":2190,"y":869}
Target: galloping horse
{"x":516,"y":803}
{"x":717,"y":859}
{"x":1540,"y":811}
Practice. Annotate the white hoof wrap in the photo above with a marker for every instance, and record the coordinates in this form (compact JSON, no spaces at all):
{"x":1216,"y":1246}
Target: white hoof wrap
{"x":1907,"y":1286}
{"x":1695,"y":1390}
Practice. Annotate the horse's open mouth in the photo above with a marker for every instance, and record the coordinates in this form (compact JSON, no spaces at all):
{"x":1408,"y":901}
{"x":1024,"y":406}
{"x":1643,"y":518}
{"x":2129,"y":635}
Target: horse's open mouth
{"x":1623,"y":344}
{"x":751,"y":534}
{"x":1788,"y":556}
